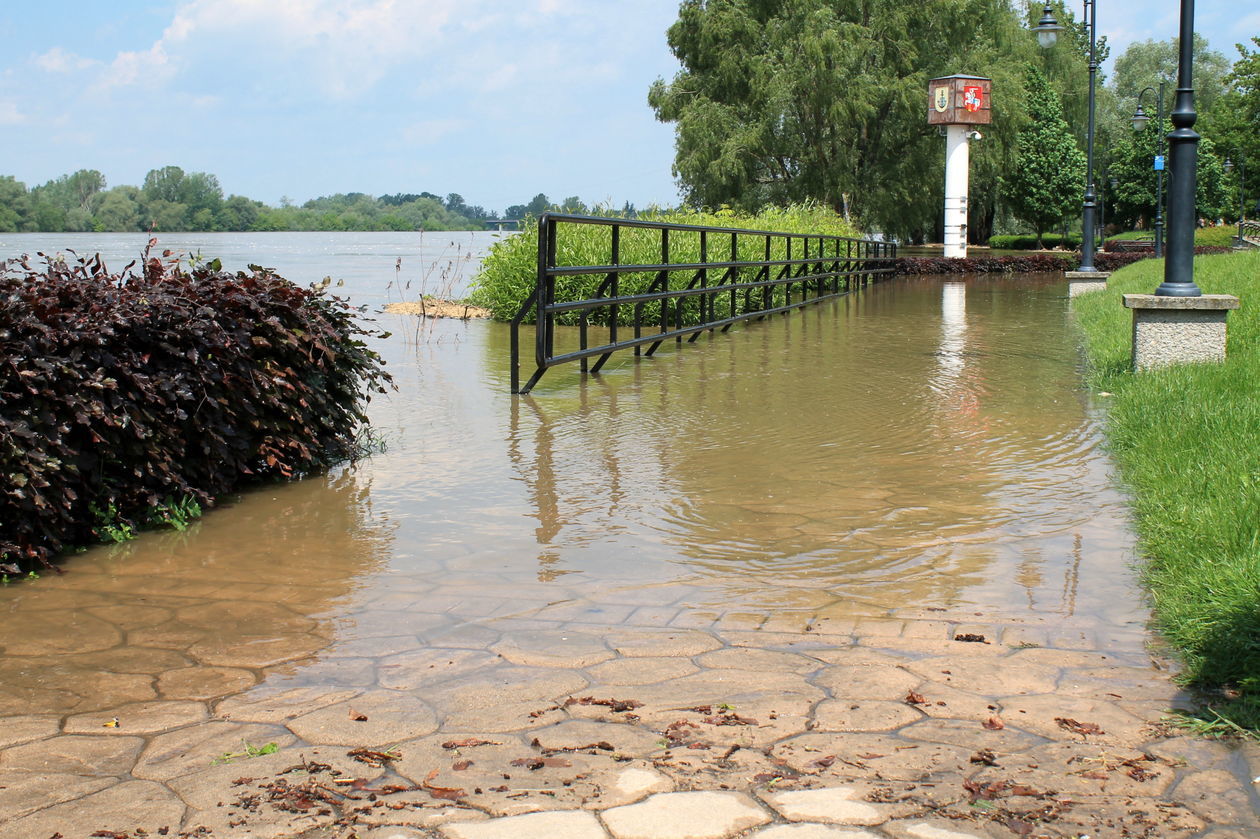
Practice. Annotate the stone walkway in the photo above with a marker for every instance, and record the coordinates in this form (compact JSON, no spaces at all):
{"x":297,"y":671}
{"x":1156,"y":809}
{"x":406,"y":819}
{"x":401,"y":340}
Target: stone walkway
{"x":923,"y":724}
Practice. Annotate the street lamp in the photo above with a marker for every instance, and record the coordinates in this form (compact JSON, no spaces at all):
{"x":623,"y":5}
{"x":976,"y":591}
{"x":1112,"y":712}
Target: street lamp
{"x":1140,"y":121}
{"x":1048,"y":30}
{"x":1183,"y":160}
{"x":1242,"y":186}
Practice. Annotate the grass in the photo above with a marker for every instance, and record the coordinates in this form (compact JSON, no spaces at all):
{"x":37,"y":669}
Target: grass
{"x":1187,"y":441}
{"x":1221,"y":236}
{"x":508,"y":271}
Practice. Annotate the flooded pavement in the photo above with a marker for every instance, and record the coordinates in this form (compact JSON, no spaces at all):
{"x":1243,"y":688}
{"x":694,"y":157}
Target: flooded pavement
{"x":861,"y":565}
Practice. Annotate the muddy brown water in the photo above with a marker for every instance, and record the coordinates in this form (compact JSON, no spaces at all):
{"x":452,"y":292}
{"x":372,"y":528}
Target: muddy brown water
{"x":923,"y":445}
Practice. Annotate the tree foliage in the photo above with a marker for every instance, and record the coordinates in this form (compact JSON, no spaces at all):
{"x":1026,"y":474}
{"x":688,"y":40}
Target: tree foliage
{"x":1045,"y":185}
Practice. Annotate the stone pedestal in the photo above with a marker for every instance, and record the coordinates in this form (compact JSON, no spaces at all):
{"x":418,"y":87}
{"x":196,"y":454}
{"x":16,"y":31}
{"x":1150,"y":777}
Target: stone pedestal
{"x":1178,"y":330}
{"x":1080,"y":282}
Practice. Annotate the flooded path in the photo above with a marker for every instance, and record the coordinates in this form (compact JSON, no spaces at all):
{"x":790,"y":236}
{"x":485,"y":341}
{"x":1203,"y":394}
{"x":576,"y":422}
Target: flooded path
{"x":758,"y":555}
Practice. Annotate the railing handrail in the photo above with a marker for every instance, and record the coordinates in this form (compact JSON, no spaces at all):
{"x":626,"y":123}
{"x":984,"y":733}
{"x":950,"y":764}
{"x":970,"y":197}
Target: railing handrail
{"x":818,"y":275}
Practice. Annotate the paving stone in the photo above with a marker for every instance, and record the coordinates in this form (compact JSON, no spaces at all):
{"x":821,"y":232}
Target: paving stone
{"x":463,"y":637}
{"x":804,"y":642}
{"x":574,"y":734}
{"x":15,"y":731}
{"x":370,"y":720}
{"x":867,"y":682}
{"x":505,"y":716}
{"x":23,"y":792}
{"x":634,"y":783}
{"x":811,"y":831}
{"x":1039,"y":715}
{"x":1116,"y":683}
{"x":408,"y":824}
{"x":871,"y":756}
{"x":997,"y":678}
{"x":138,"y":718}
{"x":686,"y":815}
{"x":566,"y":825}
{"x":773,"y":716}
{"x":197,"y":747}
{"x":863,"y":715}
{"x":1191,"y":751}
{"x":61,"y":632}
{"x":932,"y":829}
{"x":715,"y":687}
{"x":743,"y":658}
{"x":833,"y":805}
{"x":1217,"y":797}
{"x":930,"y":629}
{"x":849,"y":656}
{"x":245,"y":617}
{"x":939,"y":647}
{"x":505,"y":685}
{"x":1083,"y":769}
{"x":678,"y":642}
{"x":971,"y":734}
{"x":133,"y":615}
{"x":256,"y":651}
{"x":122,"y":808}
{"x":147,"y":661}
{"x":75,"y":755}
{"x":879,"y":627}
{"x":428,"y":667}
{"x":641,"y":671}
{"x":945,"y":702}
{"x":553,"y":648}
{"x":204,"y":682}
{"x":388,"y":645}
{"x":279,"y":704}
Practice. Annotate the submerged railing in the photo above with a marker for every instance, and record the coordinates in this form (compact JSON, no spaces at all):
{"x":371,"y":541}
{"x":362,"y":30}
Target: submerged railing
{"x":717,"y":277}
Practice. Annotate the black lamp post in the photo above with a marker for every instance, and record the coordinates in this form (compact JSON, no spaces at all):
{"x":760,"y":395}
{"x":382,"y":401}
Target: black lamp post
{"x":1140,"y":121}
{"x":1048,"y":30}
{"x":1242,"y":186}
{"x":1183,"y":160}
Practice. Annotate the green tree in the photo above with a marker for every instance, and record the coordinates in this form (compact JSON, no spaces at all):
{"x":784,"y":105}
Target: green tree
{"x":791,"y":100}
{"x":1045,"y":185}
{"x":118,"y":209}
{"x":14,"y":204}
{"x":1147,"y":63}
{"x":163,"y":184}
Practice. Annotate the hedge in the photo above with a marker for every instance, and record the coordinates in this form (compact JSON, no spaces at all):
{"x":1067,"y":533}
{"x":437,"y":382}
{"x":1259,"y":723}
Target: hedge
{"x":1026,"y":242}
{"x":122,"y":395}
{"x":1033,"y":263}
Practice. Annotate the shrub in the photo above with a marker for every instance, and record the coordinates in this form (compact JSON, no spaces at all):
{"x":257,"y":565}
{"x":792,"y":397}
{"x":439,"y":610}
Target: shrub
{"x":509,"y":270}
{"x":1033,"y":263}
{"x":1221,"y":236}
{"x":1026,"y":242}
{"x":126,"y":395}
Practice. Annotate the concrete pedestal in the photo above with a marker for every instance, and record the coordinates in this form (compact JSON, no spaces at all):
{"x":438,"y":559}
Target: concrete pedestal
{"x":1080,"y":282}
{"x":1178,"y":330}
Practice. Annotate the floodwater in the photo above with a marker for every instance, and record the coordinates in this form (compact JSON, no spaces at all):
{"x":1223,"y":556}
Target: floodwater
{"x":921,"y":445}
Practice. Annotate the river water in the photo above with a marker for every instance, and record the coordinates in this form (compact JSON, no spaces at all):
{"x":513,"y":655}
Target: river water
{"x":922,"y":445}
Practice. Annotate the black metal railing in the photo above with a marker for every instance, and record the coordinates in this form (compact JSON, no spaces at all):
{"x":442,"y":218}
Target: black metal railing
{"x":717,"y":277}
{"x":1250,"y":233}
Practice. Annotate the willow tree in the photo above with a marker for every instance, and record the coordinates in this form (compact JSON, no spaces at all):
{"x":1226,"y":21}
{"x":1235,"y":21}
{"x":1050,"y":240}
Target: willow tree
{"x":788,"y":100}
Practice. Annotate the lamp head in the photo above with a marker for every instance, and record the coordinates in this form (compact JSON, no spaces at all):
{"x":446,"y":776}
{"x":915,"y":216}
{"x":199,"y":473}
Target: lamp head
{"x":1139,"y":118}
{"x":1229,"y":166}
{"x":1047,"y":28}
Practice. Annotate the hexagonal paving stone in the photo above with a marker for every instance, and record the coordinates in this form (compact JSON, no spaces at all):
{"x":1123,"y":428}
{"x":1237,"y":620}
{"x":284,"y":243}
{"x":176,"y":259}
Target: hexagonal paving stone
{"x":833,"y":805}
{"x":678,"y":642}
{"x":138,"y":718}
{"x":508,"y":685}
{"x":1083,"y":769}
{"x":873,"y":682}
{"x":575,"y":734}
{"x":634,"y":783}
{"x":75,"y":755}
{"x":1039,"y":714}
{"x":811,"y":831}
{"x":566,"y":825}
{"x":933,"y":829}
{"x":373,"y":719}
{"x":200,"y":746}
{"x":256,"y":651}
{"x":122,"y":808}
{"x":971,"y":734}
{"x":863,"y":715}
{"x":686,"y":815}
{"x":553,"y":648}
{"x":61,"y":632}
{"x":1217,"y":797}
{"x":23,"y":792}
{"x":203,"y":682}
{"x":279,"y":704}
{"x":15,"y":731}
{"x":423,"y":668}
{"x":871,"y":756}
{"x":641,"y":671}
{"x":987,"y":677}
{"x":744,"y":658}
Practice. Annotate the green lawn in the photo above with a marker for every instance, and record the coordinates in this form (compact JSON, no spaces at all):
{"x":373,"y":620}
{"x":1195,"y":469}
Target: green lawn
{"x":1187,"y":441}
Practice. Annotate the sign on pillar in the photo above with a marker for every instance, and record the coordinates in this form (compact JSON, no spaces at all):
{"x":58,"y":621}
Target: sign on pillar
{"x":959,"y":103}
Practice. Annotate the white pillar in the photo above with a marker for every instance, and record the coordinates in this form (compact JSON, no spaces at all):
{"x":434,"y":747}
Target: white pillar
{"x":957,"y":163}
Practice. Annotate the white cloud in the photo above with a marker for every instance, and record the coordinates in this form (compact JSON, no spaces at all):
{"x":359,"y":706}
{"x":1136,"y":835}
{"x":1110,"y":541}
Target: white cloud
{"x":10,"y":115}
{"x":57,"y":60}
{"x":431,"y":131}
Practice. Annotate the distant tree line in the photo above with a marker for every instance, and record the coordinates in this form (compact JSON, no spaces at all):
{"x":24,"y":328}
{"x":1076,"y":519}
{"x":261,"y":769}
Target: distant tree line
{"x":172,"y":200}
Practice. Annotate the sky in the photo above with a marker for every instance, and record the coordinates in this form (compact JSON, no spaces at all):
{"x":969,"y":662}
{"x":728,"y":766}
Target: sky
{"x":497,"y":100}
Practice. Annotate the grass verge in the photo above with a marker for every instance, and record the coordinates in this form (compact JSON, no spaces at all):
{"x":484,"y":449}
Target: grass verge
{"x":1187,"y":441}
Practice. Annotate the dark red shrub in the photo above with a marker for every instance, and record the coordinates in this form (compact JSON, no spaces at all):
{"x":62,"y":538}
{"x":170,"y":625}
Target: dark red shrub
{"x":121,"y":392}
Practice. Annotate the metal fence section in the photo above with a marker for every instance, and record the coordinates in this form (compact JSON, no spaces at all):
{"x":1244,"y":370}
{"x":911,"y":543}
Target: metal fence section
{"x":717,"y":276}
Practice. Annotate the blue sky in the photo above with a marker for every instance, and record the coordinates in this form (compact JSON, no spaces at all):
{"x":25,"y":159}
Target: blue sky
{"x":495,"y":99}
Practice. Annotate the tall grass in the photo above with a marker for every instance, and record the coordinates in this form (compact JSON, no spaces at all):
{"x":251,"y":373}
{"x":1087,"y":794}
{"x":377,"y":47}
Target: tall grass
{"x":508,"y":271}
{"x":1187,"y":440}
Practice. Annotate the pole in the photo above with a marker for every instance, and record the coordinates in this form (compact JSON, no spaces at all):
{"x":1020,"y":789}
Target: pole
{"x":957,"y":162}
{"x":1242,"y":200}
{"x":1159,"y":189}
{"x":1183,"y":156}
{"x":1090,"y":203}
